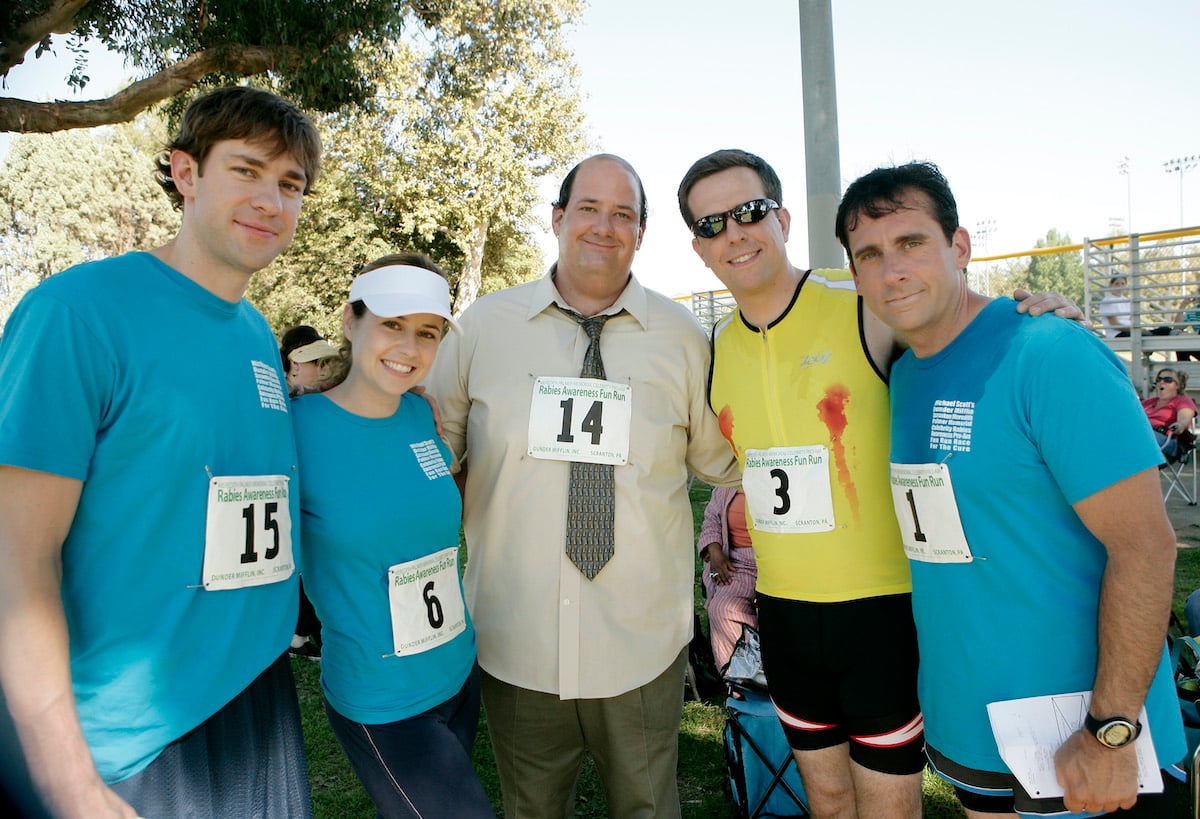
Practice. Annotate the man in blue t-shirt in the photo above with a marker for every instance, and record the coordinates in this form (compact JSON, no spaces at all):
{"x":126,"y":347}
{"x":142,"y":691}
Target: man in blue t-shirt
{"x":145,"y":512}
{"x":1042,"y":566}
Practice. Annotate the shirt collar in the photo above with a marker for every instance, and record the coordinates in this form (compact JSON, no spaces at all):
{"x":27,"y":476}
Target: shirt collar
{"x":634,"y":299}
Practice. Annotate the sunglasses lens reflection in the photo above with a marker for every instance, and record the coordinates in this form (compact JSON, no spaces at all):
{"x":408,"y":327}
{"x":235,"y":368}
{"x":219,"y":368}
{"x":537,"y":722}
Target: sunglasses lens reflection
{"x":747,"y":213}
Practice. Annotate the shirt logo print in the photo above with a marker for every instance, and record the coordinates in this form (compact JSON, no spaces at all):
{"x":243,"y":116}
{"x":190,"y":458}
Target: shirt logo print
{"x":951,"y":425}
{"x":430,"y":459}
{"x":270,"y":391}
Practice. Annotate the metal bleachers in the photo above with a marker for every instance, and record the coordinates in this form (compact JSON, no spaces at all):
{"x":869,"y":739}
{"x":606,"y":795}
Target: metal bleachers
{"x":1162,"y":271}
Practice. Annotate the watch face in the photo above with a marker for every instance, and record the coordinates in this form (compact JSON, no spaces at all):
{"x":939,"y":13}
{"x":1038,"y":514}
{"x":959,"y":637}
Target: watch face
{"x":1116,"y":734}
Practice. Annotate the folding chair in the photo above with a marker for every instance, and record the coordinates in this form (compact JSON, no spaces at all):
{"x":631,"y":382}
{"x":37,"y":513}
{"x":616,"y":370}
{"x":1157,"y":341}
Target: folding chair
{"x":1183,"y":460}
{"x":763,"y":777}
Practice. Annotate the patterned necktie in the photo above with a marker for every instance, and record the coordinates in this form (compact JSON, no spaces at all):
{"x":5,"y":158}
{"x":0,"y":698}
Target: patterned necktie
{"x":590,"y":491}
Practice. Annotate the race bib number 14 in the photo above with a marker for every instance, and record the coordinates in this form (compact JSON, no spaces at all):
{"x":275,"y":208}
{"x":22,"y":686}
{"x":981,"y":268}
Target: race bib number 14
{"x":580,"y":419}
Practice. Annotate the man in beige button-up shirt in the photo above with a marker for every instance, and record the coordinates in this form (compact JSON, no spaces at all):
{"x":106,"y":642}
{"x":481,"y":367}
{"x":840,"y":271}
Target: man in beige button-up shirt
{"x":569,"y":662}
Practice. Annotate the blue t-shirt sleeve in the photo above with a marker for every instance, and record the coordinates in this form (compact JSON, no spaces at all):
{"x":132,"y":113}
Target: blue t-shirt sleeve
{"x":1083,"y":412}
{"x":58,"y":380}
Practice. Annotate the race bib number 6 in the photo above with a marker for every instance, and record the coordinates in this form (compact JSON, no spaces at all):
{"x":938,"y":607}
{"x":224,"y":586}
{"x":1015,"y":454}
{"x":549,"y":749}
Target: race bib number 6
{"x":426,"y":602}
{"x":248,"y":532}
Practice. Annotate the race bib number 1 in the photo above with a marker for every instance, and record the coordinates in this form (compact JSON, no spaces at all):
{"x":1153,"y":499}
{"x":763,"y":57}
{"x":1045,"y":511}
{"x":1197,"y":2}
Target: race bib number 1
{"x":248,"y":532}
{"x":927,"y":512}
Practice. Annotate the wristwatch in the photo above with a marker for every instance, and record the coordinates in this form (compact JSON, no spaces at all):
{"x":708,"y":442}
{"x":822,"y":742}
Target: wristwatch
{"x":1114,"y":732}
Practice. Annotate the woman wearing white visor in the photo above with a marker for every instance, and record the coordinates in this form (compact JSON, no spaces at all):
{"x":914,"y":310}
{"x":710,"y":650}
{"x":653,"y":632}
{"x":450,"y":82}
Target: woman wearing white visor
{"x":380,"y":517}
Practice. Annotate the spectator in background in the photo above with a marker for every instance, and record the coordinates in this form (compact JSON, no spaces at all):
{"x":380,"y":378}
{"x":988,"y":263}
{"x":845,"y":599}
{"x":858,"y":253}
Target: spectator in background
{"x":1188,"y":318}
{"x":306,"y":357}
{"x":1116,"y":312}
{"x":1170,"y":410}
{"x":1115,"y":309}
{"x":305,"y":354}
{"x":729,"y":572}
{"x":1191,"y":613}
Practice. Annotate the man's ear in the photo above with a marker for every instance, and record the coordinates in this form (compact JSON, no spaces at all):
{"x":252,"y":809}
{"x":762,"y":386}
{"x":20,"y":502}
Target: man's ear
{"x":185,"y":170}
{"x":961,"y":242}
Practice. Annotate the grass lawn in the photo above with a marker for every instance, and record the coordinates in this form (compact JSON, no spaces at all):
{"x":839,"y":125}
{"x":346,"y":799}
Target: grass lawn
{"x":702,"y":779}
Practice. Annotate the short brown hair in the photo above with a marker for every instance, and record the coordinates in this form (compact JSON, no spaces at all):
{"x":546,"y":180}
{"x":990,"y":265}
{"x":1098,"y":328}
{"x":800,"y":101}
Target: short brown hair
{"x":242,"y":112}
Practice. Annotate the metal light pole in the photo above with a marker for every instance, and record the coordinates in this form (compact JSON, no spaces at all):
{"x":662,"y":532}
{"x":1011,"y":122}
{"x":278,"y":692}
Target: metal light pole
{"x":983,"y":229}
{"x":821,"y":156}
{"x":1179,"y":166}
{"x":1123,"y":169}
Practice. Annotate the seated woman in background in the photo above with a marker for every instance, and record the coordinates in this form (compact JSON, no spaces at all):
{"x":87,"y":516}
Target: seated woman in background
{"x":1116,"y":312}
{"x":730,"y":571}
{"x":379,"y":518}
{"x":1115,"y":309}
{"x":1170,"y":410}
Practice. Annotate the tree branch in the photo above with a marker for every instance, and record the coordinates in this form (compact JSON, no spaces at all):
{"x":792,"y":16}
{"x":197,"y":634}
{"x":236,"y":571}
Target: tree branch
{"x":55,"y":20}
{"x":46,"y":117}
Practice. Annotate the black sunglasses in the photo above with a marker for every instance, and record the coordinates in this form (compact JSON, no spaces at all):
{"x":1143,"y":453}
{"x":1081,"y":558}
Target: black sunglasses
{"x":1165,"y":378}
{"x":747,"y":213}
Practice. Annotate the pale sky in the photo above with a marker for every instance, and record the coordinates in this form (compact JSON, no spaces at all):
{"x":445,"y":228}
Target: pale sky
{"x":1027,"y":106}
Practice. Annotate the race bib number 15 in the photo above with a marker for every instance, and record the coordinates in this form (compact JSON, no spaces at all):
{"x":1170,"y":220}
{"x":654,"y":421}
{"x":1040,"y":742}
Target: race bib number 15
{"x":248,"y":532}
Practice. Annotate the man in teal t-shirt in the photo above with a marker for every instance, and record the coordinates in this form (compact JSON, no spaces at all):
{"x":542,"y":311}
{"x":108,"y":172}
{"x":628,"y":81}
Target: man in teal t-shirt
{"x":147,"y":498}
{"x":1025,"y":481}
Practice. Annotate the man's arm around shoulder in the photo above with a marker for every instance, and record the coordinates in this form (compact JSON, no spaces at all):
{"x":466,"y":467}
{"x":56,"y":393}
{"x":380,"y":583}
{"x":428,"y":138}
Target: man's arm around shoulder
{"x":1135,"y":599}
{"x":36,"y":510}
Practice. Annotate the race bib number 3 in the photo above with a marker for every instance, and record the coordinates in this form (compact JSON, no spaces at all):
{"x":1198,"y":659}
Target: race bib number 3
{"x":580,"y":419}
{"x":426,"y":602}
{"x":248,"y":532}
{"x":787,"y":489}
{"x":927,"y":512}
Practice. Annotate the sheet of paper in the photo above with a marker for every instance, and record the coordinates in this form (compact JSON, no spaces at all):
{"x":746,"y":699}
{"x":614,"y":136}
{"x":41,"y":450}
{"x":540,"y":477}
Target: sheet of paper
{"x":1029,"y":731}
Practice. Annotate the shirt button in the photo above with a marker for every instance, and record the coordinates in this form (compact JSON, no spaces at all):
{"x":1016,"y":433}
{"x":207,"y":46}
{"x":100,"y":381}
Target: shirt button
{"x":566,"y":602}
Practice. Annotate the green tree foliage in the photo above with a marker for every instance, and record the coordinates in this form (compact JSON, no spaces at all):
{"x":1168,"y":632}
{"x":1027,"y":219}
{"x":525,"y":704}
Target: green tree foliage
{"x":444,"y":160}
{"x":496,"y":109}
{"x":1058,"y":272}
{"x":310,"y":48}
{"x":75,"y":196}
{"x":475,"y":103}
